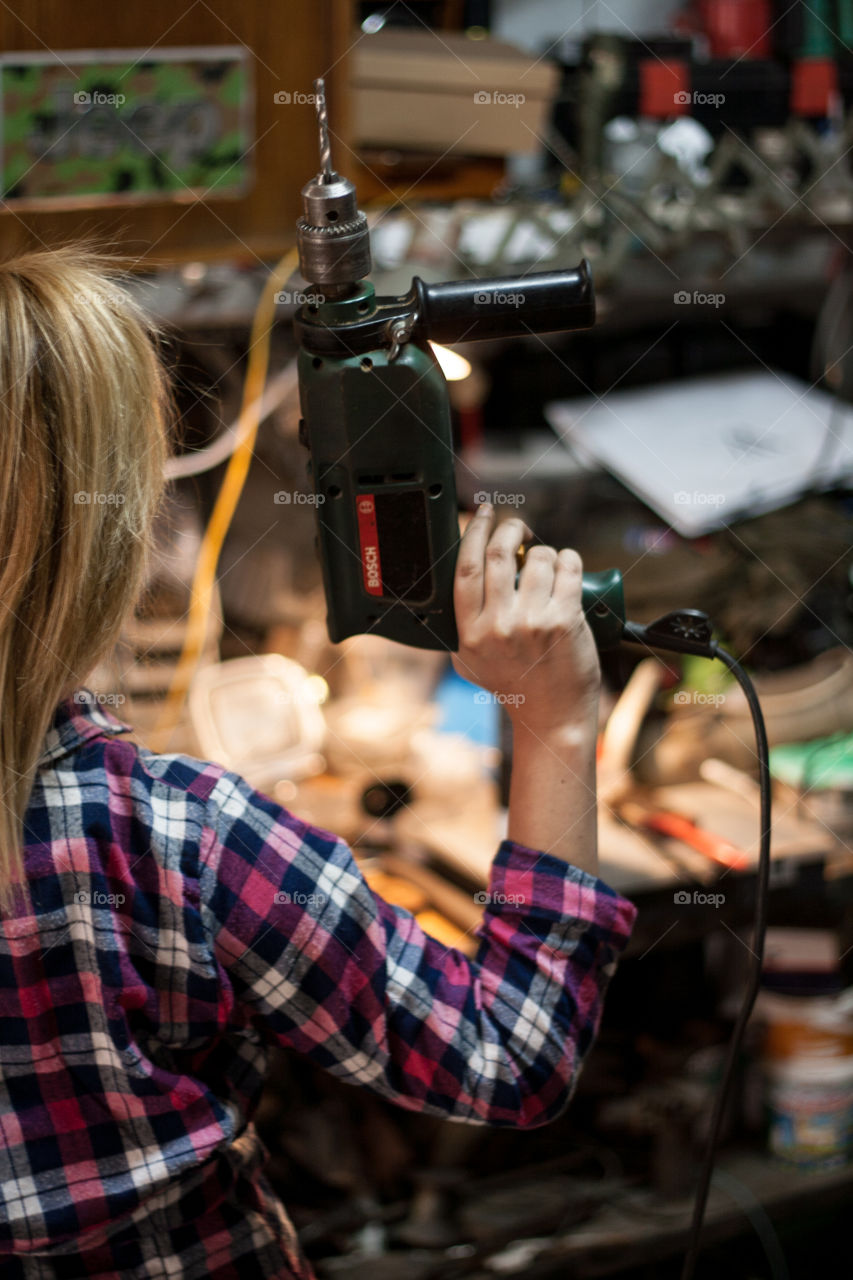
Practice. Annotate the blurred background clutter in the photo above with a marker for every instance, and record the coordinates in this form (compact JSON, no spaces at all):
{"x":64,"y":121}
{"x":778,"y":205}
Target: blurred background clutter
{"x":699,"y":438}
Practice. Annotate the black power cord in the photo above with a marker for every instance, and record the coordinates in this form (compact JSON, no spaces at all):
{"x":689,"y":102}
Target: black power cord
{"x":689,"y":631}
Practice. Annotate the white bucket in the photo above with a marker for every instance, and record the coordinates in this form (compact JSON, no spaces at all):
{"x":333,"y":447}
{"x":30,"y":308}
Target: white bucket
{"x":810,"y":1105}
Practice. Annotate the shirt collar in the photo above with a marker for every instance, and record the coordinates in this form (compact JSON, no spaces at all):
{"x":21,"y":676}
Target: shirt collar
{"x":76,"y":720}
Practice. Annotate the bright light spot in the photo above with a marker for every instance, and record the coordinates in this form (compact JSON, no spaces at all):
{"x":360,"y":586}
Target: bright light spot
{"x":193,"y":272}
{"x":318,"y":690}
{"x":453,"y":366}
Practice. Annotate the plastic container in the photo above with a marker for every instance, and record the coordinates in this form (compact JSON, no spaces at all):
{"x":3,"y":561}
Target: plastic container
{"x":805,"y":1026}
{"x":260,"y":717}
{"x":810,"y":1111}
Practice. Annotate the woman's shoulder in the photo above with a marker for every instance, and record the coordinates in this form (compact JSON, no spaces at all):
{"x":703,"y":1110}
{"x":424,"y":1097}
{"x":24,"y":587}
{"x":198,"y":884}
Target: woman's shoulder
{"x":104,"y":761}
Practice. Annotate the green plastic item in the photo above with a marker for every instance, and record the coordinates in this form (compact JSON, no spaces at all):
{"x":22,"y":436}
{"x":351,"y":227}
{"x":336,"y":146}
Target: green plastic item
{"x":821,"y":765}
{"x":818,"y":30}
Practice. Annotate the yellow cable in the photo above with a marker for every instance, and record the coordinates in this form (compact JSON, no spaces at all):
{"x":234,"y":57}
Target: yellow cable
{"x":204,"y":580}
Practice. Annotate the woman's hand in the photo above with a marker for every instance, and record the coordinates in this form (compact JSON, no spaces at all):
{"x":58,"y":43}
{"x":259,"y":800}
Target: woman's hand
{"x":530,"y":645}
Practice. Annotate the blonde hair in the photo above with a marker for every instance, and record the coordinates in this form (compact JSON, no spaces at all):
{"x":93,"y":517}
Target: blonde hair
{"x":84,"y":417}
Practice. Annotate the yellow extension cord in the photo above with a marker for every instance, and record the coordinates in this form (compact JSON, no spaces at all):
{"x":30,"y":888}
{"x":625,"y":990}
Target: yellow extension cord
{"x":204,"y":579}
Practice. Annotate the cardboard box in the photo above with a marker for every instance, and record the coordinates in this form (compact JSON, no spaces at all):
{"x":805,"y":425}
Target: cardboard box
{"x":441,"y":91}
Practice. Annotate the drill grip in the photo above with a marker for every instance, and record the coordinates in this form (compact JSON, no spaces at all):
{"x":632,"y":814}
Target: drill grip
{"x":471,"y":310}
{"x":603,"y":602}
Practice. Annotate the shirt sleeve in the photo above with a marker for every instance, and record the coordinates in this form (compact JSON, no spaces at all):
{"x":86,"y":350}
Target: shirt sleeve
{"x":319,"y":963}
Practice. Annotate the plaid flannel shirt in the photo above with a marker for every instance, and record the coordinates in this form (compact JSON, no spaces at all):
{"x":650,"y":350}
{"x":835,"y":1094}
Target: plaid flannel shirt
{"x":183,"y":924}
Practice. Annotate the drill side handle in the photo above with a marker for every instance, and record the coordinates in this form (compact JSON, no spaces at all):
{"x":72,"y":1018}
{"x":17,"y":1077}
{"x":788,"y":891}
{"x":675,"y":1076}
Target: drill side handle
{"x":472,"y":310}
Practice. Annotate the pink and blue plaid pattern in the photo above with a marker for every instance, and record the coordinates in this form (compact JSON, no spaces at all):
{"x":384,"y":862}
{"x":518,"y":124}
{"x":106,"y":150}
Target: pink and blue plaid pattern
{"x":183,"y":924}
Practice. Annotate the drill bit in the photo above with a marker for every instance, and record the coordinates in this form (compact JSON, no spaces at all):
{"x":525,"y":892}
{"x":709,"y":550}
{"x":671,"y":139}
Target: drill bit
{"x":327,"y":173}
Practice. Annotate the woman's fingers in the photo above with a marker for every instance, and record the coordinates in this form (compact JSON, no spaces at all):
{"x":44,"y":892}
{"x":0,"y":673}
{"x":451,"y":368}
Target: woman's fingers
{"x":531,"y":637}
{"x":536,"y":580}
{"x":468,"y":584}
{"x":486,"y":565}
{"x":568,"y":576}
{"x":501,"y":564}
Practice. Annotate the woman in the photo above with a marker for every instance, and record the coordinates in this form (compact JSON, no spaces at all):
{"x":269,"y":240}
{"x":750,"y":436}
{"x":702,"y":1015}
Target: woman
{"x":163,"y":924}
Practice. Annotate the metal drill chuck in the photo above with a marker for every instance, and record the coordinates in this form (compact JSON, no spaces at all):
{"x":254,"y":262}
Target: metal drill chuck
{"x":332,"y":235}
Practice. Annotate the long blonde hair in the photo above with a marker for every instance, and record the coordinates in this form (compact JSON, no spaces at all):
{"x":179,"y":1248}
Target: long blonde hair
{"x":84,"y":419}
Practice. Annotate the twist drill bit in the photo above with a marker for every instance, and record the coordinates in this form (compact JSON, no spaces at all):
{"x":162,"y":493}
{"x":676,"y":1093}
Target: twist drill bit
{"x":327,"y":173}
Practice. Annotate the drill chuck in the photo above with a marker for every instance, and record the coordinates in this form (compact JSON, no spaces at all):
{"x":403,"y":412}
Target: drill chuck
{"x":332,"y":234}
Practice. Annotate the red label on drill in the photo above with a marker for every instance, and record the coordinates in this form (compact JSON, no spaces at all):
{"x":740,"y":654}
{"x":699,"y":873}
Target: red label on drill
{"x":368,"y":536}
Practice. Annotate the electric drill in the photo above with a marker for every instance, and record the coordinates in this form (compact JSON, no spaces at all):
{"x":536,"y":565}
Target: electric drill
{"x":376,"y":419}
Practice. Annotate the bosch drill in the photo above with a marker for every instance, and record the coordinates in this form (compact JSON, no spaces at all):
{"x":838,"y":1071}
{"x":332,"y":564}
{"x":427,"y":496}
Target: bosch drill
{"x":376,"y":419}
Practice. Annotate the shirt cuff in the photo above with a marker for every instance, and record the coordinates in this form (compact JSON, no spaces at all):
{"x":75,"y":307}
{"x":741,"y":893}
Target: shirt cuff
{"x":528,"y":882}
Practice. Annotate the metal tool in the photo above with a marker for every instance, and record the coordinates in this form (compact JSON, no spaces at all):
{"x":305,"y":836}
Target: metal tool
{"x":676,"y":825}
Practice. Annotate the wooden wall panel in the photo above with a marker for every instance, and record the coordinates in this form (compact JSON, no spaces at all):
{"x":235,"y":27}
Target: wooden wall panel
{"x":291,"y":42}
